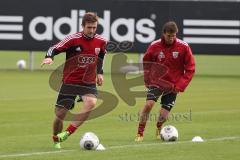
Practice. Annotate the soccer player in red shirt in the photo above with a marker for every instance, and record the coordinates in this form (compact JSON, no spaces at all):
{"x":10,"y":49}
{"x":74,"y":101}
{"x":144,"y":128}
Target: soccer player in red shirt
{"x":168,"y":69}
{"x":82,"y":70}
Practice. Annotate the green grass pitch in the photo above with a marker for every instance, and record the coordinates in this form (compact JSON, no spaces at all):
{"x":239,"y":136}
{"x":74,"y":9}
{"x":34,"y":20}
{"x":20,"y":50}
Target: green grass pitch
{"x":209,"y":108}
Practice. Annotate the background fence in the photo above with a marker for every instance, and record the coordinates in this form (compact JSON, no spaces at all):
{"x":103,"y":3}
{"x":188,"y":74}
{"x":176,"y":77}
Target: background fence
{"x":33,"y":26}
{"x":209,"y":27}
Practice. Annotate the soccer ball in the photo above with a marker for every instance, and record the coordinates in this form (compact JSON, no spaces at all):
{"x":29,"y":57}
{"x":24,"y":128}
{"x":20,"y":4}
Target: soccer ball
{"x":21,"y":64}
{"x":89,"y":141}
{"x":169,"y":133}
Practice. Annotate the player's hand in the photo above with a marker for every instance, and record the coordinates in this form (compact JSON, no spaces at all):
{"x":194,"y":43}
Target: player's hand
{"x":47,"y":61}
{"x":99,"y":79}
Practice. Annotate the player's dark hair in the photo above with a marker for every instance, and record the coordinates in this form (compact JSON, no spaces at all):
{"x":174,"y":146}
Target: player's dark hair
{"x":170,"y":27}
{"x":89,"y":17}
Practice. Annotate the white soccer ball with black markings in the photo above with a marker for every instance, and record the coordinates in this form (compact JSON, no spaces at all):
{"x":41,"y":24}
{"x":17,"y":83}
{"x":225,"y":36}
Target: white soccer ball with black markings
{"x":89,"y":141}
{"x":169,"y":133}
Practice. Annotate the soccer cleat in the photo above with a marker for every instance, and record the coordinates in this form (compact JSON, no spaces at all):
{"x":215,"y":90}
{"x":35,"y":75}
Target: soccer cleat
{"x":63,"y":136}
{"x":158,"y":136}
{"x":57,"y":145}
{"x":138,"y":138}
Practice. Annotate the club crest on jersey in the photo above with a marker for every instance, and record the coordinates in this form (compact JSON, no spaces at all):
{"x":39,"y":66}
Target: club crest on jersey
{"x":97,"y":51}
{"x":175,"y":54}
{"x":161,"y":56}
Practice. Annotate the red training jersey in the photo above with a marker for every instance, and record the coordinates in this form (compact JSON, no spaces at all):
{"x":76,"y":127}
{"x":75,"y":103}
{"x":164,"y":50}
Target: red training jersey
{"x":169,"y":64}
{"x":82,"y":57}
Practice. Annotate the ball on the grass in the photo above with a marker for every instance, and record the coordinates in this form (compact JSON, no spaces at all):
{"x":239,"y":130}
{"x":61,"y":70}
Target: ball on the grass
{"x":89,"y":141}
{"x":21,"y":64}
{"x":169,"y":133}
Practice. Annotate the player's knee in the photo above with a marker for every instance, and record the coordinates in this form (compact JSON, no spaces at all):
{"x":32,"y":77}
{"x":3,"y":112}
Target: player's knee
{"x":60,"y":113}
{"x":91,"y":103}
{"x":149,"y":105}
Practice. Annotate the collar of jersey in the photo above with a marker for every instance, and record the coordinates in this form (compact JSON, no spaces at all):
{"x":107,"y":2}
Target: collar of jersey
{"x":86,"y":37}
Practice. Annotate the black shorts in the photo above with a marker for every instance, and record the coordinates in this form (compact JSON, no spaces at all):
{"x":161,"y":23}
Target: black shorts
{"x":68,"y":93}
{"x":167,"y":99}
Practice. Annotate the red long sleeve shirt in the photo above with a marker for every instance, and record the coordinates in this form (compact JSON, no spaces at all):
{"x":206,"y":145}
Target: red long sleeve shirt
{"x":83,"y":55}
{"x":172,"y":65}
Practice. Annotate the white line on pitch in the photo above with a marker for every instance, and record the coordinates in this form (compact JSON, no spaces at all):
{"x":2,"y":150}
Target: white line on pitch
{"x":117,"y":147}
{"x":33,"y":154}
{"x":171,"y":143}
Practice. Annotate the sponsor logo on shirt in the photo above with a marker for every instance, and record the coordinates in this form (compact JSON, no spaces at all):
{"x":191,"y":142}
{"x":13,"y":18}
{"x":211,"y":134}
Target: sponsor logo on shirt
{"x":161,"y":56}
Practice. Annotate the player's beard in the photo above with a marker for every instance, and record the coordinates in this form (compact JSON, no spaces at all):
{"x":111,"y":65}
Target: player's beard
{"x":169,"y":42}
{"x":89,"y":35}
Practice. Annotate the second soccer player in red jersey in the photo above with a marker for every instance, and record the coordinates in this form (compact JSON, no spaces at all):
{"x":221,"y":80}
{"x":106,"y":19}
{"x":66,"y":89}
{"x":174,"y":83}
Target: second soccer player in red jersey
{"x":168,"y":69}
